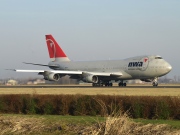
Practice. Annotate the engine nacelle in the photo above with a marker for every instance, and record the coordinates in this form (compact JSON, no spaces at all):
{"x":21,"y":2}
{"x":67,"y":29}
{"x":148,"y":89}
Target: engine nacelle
{"x":52,"y":77}
{"x":90,"y":78}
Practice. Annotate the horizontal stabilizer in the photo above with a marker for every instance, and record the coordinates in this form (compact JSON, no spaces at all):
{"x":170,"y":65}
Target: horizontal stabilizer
{"x":41,"y":65}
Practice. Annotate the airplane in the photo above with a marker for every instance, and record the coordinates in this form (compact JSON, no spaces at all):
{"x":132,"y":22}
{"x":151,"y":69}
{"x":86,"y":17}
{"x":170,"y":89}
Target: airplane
{"x":147,"y":68}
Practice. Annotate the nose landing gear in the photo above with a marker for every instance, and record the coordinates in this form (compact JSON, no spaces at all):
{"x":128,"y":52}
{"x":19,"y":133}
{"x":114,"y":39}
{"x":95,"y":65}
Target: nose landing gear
{"x":155,"y":82}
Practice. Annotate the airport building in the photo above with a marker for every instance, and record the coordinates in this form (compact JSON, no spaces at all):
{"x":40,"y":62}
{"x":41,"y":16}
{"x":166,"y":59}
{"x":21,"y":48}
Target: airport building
{"x":11,"y":82}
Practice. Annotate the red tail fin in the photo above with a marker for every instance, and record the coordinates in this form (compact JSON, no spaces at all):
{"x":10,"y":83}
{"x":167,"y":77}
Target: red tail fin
{"x":55,"y":51}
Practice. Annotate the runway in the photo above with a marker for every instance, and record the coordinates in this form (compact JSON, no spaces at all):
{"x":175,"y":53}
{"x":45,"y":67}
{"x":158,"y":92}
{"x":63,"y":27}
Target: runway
{"x":88,"y":86}
{"x":130,"y":90}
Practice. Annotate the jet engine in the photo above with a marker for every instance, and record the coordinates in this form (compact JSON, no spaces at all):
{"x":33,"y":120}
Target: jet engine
{"x":52,"y":77}
{"x":90,"y":78}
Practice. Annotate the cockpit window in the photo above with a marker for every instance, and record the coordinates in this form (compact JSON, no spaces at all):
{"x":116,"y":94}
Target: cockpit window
{"x":158,"y":57}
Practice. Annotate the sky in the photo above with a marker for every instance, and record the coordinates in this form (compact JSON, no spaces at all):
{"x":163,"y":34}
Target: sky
{"x":87,"y":30}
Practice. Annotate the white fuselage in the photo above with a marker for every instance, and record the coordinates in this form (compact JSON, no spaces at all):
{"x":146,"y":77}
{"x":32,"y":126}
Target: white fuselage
{"x":131,"y":68}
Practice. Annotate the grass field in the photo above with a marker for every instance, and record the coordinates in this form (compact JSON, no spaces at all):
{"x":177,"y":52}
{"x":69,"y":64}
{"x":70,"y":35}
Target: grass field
{"x":95,"y":91}
{"x":173,"y":123}
{"x":88,"y":119}
{"x":56,"y":124}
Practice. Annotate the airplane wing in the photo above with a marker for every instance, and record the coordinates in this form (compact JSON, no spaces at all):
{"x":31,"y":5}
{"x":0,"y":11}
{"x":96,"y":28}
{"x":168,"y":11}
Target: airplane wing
{"x":55,"y":75}
{"x":67,"y":72}
{"x":50,"y":71}
{"x":104,"y":73}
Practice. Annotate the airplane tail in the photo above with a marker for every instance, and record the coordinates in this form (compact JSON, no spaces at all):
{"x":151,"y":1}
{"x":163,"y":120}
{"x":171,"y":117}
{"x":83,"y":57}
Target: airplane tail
{"x":55,"y":51}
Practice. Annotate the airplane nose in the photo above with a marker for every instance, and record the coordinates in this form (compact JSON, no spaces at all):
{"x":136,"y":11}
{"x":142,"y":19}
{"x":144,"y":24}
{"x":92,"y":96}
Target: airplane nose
{"x":169,"y":68}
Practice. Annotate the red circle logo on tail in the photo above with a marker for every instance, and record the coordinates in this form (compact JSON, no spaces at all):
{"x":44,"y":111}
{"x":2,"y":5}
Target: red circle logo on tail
{"x":51,"y":48}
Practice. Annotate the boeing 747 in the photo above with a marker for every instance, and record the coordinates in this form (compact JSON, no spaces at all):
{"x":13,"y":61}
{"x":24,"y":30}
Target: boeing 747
{"x":102,"y":73}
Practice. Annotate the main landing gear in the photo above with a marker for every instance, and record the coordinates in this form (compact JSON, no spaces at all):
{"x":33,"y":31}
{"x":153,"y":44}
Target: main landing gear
{"x":107,"y":84}
{"x":121,"y":84}
{"x":155,"y":82}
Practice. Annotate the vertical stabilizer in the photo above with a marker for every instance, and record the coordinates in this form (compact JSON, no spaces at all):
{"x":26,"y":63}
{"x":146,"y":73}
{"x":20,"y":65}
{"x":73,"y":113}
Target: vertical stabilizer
{"x":55,"y":51}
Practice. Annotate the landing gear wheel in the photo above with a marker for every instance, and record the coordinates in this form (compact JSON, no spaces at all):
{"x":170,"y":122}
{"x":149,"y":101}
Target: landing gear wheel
{"x":106,"y":84}
{"x":97,"y":84}
{"x":122,"y":84}
{"x":93,"y":84}
{"x":155,"y":84}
